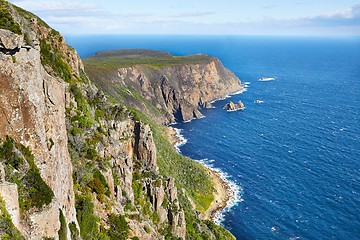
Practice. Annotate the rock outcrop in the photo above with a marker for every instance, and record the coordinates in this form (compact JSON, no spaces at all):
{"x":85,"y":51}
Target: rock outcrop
{"x":178,"y":90}
{"x":230,"y":106}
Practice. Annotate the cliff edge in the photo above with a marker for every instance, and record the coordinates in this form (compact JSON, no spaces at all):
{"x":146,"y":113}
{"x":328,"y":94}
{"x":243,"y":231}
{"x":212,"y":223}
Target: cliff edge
{"x":169,"y":88}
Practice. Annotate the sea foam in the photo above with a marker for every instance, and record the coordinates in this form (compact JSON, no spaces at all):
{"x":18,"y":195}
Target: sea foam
{"x":182,"y":141}
{"x":236,"y":191}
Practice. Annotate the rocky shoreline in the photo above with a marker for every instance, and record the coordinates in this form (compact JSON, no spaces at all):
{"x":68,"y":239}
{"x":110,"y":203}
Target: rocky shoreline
{"x":223,"y":191}
{"x":222,"y":195}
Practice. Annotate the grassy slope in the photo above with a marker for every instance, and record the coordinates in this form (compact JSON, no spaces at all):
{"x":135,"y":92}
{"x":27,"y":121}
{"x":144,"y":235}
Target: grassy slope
{"x":154,"y":59}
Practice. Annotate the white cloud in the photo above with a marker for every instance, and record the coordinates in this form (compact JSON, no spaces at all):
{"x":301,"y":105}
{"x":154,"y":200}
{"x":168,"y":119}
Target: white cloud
{"x":341,"y":14}
{"x":80,"y":16}
{"x":47,"y":6}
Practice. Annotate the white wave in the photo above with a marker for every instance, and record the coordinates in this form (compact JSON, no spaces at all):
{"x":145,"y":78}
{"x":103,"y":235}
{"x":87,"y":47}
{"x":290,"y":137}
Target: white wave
{"x":183,"y":140}
{"x":229,"y":95}
{"x":266,"y":79}
{"x":236,"y":109}
{"x":187,"y":121}
{"x":222,"y":98}
{"x":235,"y":190}
{"x":246,"y":83}
{"x":171,"y":124}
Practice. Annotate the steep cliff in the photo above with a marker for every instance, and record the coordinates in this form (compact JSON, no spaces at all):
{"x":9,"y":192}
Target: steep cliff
{"x":170,"y":88}
{"x":74,"y":165}
{"x":31,"y":101}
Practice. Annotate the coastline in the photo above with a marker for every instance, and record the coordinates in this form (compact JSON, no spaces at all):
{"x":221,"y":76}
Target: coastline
{"x":225,"y":192}
{"x":222,"y":196}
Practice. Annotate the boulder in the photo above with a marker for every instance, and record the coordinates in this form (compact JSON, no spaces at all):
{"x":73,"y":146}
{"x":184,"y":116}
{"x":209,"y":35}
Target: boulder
{"x":230,"y":106}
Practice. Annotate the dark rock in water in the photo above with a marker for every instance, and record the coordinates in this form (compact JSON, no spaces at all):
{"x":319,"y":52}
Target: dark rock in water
{"x":241,"y":104}
{"x":230,"y":106}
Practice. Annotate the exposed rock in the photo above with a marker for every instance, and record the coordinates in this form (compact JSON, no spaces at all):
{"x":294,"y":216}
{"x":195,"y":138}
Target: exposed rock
{"x":9,"y":40}
{"x":145,"y":149}
{"x":9,"y":193}
{"x":178,"y":90}
{"x":171,"y":213}
{"x":230,"y":106}
{"x":2,"y":173}
{"x":205,"y":104}
{"x":31,"y":101}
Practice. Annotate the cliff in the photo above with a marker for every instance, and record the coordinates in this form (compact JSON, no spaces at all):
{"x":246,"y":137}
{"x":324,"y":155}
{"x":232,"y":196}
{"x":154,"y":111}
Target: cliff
{"x":31,"y":101}
{"x":169,"y":88}
{"x":77,"y":165}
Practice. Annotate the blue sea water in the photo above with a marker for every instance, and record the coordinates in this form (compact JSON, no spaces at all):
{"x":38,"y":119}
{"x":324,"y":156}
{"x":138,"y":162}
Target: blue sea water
{"x":296,"y":156}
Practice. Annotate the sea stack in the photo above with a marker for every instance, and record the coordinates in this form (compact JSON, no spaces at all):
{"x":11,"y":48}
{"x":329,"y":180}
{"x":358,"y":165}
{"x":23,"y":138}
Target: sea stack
{"x":230,"y":106}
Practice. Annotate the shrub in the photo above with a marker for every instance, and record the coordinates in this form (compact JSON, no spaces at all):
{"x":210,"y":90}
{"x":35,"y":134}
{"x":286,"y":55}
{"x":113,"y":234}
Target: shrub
{"x":37,"y":193}
{"x":86,"y":218}
{"x":74,"y":231}
{"x":62,"y":231}
{"x":50,"y":56}
{"x":7,"y":228}
{"x":33,"y":191}
{"x":6,"y":20}
{"x":7,"y":152}
{"x":119,"y":228}
{"x":96,"y":186}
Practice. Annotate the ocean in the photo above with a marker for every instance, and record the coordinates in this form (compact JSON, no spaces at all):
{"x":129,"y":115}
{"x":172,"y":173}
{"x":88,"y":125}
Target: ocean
{"x":295,"y":157}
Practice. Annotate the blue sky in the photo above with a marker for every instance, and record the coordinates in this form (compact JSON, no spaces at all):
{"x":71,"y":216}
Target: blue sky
{"x":209,"y":17}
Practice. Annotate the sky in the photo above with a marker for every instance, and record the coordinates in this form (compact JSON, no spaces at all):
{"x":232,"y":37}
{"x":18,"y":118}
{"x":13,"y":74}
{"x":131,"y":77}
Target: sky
{"x":203,"y":17}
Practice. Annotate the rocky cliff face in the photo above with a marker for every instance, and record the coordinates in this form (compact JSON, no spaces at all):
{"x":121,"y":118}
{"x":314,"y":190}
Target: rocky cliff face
{"x":179,"y":90}
{"x":31,"y":101}
{"x":40,"y":101}
{"x":75,"y":166}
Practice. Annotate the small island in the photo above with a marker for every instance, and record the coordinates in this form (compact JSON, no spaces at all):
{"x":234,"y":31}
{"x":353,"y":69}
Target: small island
{"x":230,"y":106}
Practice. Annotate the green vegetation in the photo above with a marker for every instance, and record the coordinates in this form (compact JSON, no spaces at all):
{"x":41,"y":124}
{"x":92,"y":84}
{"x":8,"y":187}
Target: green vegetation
{"x":33,"y":191}
{"x":136,"y":57}
{"x":197,"y":229}
{"x":119,"y":228}
{"x":7,"y":229}
{"x":153,"y":62}
{"x":218,"y":231}
{"x":99,"y":185}
{"x":28,"y":16}
{"x":50,"y":56}
{"x":6,"y":20}
{"x":62,"y":231}
{"x":86,"y":218}
{"x":74,"y":231}
{"x":142,"y":200}
{"x":187,"y":173}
